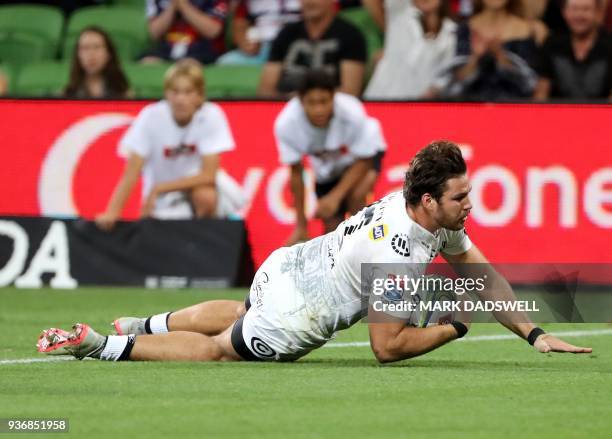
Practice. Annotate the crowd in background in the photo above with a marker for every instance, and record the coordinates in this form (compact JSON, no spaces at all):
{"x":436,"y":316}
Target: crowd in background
{"x":433,"y":49}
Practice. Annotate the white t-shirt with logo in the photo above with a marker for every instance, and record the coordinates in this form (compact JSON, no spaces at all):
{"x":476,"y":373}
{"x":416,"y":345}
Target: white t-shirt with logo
{"x":351,"y":135}
{"x":171,"y":151}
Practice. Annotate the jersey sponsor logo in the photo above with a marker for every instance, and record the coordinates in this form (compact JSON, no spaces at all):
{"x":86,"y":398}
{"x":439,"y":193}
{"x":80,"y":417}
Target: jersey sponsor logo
{"x":393,"y":294}
{"x":332,"y":154}
{"x":401,"y":244}
{"x":261,"y":348}
{"x":378,"y":232}
{"x":170,"y":152}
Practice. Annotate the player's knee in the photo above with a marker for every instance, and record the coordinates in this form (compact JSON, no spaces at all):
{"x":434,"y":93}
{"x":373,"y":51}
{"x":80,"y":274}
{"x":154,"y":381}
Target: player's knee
{"x":204,"y":201}
{"x":211,"y":352}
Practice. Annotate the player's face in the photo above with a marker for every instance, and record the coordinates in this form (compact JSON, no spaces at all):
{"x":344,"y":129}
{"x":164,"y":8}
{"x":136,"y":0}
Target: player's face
{"x":581,"y":16}
{"x":454,"y":206}
{"x":319,"y":106}
{"x":92,"y":52}
{"x":184,"y":99}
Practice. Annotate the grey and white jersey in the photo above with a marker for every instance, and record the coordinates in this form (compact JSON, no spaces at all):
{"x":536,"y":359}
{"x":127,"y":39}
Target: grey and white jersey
{"x":327,"y":270}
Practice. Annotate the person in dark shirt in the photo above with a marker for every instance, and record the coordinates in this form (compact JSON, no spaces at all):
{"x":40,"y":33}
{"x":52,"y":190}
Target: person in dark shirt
{"x":577,"y":65}
{"x":494,"y":49}
{"x":319,"y":41}
{"x":186,"y":29}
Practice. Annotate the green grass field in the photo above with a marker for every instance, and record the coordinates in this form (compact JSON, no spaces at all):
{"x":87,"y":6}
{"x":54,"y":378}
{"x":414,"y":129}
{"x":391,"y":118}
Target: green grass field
{"x":472,"y":389}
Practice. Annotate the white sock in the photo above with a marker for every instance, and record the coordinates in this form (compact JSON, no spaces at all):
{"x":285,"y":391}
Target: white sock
{"x":158,"y":324}
{"x":115,"y":346}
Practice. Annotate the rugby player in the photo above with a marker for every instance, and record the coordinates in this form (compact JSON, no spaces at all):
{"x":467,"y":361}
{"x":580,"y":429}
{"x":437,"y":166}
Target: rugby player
{"x":303,"y":294}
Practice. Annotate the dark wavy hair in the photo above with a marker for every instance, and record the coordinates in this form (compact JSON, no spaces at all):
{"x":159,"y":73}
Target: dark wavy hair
{"x":514,"y":7}
{"x":316,"y":79}
{"x":116,"y":81}
{"x":430,"y":169}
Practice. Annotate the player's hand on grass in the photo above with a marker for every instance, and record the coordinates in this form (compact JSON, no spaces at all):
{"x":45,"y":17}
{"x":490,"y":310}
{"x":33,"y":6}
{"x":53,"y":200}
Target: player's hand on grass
{"x":106,"y":221}
{"x":327,"y":206}
{"x":547,"y":343}
{"x":299,"y":234}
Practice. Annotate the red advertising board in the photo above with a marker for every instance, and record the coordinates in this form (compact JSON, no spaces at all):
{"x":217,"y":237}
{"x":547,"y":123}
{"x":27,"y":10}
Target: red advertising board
{"x":541,"y":174}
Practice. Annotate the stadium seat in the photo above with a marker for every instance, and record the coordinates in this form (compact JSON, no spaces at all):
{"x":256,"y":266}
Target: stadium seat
{"x":232,"y":81}
{"x":146,"y":80}
{"x":41,"y":79}
{"x":131,"y":3}
{"x":29,"y":33}
{"x":363,"y":20}
{"x":125,"y":25}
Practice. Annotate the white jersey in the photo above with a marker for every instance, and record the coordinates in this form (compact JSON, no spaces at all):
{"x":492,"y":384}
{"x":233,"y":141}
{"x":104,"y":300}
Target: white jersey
{"x":329,"y":268}
{"x":302,"y":295}
{"x":172,"y":151}
{"x":351,"y":135}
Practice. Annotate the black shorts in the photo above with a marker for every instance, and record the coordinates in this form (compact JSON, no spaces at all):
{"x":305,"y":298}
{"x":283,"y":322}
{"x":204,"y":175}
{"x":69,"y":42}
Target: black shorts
{"x":322,"y":189}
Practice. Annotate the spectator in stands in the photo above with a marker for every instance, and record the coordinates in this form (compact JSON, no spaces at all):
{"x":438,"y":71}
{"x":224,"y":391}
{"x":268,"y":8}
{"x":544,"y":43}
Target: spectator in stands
{"x":344,"y":146}
{"x":255,"y":25}
{"x":418,"y":40}
{"x":494,"y":49}
{"x":319,"y":41}
{"x":96,"y":70}
{"x":175,"y":144}
{"x":186,"y":29}
{"x":577,"y":65}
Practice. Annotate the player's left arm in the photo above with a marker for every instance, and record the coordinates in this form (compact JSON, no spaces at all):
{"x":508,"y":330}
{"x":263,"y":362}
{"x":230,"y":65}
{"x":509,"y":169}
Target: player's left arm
{"x":206,"y":177}
{"x":394,"y":341}
{"x":500,"y":289}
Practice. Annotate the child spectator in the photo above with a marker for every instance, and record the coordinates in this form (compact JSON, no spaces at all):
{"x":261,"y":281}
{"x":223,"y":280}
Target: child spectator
{"x":176,"y":144}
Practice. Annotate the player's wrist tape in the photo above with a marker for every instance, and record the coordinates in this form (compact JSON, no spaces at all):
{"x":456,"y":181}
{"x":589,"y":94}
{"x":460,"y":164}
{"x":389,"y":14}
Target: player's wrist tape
{"x":460,"y":328}
{"x":534,"y":334}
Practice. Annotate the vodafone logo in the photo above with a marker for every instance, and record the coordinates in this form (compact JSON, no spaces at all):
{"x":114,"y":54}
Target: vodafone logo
{"x":55,"y":194}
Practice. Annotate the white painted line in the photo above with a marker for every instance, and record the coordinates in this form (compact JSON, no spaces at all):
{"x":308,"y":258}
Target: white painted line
{"x":37,"y":360}
{"x":494,"y":337}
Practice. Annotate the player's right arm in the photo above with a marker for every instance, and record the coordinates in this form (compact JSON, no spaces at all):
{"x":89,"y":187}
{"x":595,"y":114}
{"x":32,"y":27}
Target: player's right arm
{"x":394,"y":341}
{"x":107,"y":219}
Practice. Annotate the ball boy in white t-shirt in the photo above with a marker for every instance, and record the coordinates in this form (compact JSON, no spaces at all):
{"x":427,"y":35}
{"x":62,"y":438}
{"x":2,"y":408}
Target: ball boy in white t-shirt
{"x":175,"y":144}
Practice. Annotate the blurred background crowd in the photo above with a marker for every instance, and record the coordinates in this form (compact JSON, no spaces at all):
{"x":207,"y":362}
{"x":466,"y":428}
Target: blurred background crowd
{"x":377,"y":49}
